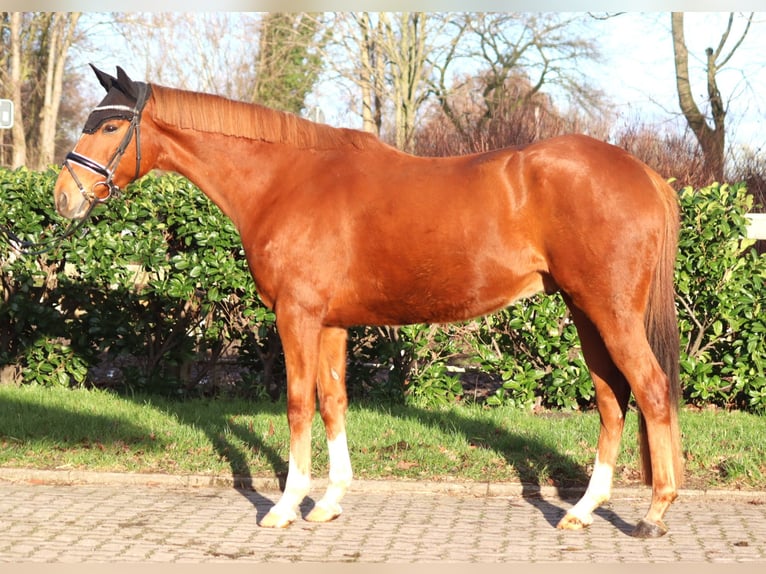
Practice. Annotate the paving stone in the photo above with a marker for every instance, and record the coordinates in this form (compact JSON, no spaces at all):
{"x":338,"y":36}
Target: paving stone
{"x":108,"y":522}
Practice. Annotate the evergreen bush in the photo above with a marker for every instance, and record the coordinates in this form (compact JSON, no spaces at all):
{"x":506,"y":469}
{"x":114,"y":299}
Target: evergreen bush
{"x":157,"y":296}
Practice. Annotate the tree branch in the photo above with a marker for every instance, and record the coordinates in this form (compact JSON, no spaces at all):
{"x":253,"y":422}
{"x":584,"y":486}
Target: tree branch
{"x":739,"y":42}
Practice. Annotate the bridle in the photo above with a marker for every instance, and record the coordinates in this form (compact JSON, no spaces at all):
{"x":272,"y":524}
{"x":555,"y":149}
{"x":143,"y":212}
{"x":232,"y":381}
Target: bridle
{"x":107,"y":171}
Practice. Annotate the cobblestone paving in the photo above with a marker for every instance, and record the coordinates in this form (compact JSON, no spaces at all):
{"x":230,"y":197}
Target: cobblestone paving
{"x":127,"y":523}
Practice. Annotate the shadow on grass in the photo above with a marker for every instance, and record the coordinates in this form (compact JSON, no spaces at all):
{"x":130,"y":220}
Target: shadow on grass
{"x":219,"y":429}
{"x":533,"y":460}
{"x":22,"y":419}
{"x":32,"y":419}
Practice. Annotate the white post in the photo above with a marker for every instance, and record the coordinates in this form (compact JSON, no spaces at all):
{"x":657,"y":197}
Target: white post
{"x":6,"y":114}
{"x":757,"y":226}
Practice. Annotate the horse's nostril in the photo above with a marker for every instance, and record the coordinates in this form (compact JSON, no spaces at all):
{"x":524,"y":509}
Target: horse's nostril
{"x":62,"y":203}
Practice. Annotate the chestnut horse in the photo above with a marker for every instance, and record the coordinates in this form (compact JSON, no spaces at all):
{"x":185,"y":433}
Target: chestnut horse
{"x":340,"y":229}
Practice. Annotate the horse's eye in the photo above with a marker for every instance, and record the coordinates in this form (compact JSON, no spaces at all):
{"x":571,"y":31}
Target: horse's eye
{"x":110,"y":128}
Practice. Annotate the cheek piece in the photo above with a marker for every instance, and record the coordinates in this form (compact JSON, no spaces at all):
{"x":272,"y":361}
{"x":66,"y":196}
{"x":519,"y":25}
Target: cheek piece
{"x":102,"y":190}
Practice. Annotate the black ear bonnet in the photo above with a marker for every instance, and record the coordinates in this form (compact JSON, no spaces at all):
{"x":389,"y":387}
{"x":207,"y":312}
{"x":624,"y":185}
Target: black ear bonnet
{"x":121,"y":101}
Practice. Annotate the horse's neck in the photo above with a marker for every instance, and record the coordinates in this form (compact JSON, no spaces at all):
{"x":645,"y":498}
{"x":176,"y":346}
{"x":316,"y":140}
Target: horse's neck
{"x":233,"y":172}
{"x":239,"y":153}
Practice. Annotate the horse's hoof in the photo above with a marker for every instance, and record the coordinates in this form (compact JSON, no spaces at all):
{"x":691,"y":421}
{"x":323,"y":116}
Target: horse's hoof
{"x":572,"y":522}
{"x":324,"y":513}
{"x":277,"y":519}
{"x":646,"y":529}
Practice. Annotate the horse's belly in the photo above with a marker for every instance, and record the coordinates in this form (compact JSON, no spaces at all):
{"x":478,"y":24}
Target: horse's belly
{"x":432,"y":302}
{"x":492,"y":298}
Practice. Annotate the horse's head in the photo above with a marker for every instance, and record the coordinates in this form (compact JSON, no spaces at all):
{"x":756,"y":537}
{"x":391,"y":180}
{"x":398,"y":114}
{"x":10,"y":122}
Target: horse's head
{"x":108,"y":153}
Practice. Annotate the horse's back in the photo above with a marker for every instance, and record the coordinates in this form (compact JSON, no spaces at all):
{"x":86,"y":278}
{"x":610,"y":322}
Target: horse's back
{"x":399,"y":239}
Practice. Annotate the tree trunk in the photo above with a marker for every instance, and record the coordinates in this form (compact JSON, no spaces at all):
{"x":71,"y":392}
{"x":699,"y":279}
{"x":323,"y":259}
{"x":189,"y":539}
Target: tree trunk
{"x":62,"y":33}
{"x":19,"y":157}
{"x":711,"y":139}
{"x":371,"y":64}
{"x":405,"y":46}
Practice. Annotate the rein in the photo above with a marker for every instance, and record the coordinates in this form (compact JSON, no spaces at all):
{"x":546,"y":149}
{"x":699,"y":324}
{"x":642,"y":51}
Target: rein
{"x":107,"y":171}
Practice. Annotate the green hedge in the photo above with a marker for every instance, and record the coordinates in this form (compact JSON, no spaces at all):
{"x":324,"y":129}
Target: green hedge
{"x":157,"y":292}
{"x":157,"y":297}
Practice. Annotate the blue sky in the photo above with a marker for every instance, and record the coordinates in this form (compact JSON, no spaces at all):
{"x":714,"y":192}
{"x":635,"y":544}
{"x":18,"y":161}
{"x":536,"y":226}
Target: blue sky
{"x":640,"y":74}
{"x":637,"y":73}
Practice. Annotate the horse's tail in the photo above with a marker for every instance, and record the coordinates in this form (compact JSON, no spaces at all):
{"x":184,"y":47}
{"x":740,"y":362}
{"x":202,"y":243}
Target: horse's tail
{"x":661,"y":324}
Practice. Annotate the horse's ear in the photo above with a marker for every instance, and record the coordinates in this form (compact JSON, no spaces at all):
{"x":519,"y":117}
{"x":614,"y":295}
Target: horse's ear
{"x":104,"y":79}
{"x":125,"y":84}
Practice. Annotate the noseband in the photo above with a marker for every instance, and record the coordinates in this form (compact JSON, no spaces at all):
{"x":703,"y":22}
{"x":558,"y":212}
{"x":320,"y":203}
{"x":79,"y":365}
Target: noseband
{"x":92,"y":195}
{"x":107,"y":171}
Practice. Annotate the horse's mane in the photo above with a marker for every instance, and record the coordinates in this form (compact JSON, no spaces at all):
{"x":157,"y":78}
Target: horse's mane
{"x":216,"y":114}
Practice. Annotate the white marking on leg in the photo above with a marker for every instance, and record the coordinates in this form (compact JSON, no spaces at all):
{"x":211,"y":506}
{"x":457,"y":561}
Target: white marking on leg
{"x":340,"y":461}
{"x":598,"y":492}
{"x":296,"y":488}
{"x":340,"y":475}
{"x":334,"y":374}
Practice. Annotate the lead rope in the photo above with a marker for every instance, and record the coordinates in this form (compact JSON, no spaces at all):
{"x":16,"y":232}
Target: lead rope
{"x":33,"y":248}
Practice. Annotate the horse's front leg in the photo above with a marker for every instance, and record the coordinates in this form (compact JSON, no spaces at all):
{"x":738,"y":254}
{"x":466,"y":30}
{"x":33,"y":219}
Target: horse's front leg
{"x":333,"y":403}
{"x":300,"y":340}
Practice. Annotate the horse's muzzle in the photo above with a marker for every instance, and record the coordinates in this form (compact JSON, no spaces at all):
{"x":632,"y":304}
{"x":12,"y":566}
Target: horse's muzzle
{"x":71,"y":209}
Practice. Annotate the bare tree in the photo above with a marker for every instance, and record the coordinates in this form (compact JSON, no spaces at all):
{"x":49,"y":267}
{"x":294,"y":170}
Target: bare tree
{"x":210,"y":52}
{"x":711,"y":138}
{"x":288,"y":62}
{"x":532,"y":51}
{"x":391,"y":59}
{"x":38,"y":43}
{"x":370,"y":72}
{"x":62,"y":33}
{"x":405,"y":38}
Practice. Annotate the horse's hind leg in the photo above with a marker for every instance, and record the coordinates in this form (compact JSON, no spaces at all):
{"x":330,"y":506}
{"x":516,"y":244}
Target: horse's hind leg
{"x":332,"y":405}
{"x":624,"y":336}
{"x":612,"y":394}
{"x":661,"y":434}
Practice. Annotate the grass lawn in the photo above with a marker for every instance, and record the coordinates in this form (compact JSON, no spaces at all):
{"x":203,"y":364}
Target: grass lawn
{"x":54,"y":428}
